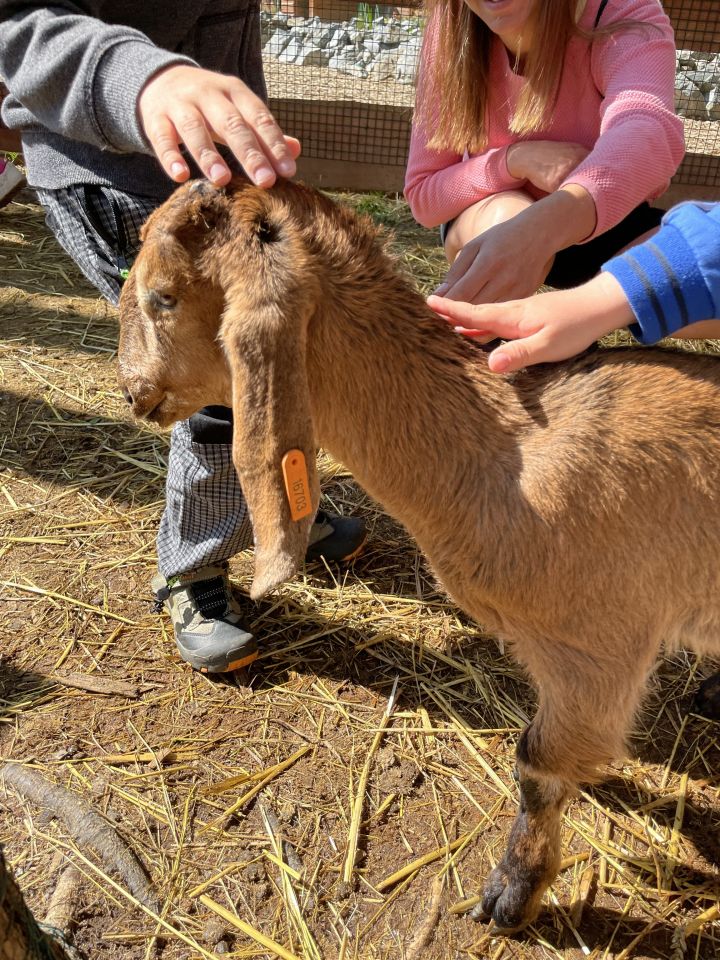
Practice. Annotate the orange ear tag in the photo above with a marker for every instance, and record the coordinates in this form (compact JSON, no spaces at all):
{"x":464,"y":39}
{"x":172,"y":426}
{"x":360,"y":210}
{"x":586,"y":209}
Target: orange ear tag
{"x":297,"y":484}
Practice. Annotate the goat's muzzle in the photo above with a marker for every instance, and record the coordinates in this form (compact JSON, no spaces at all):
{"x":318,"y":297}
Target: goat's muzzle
{"x":146,"y":401}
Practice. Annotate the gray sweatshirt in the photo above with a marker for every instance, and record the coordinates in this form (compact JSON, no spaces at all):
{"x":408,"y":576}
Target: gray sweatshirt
{"x":75,"y":71}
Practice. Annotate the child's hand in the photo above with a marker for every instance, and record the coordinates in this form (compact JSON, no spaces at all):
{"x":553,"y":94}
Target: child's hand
{"x":544,"y":328}
{"x":200,"y":108}
{"x":545,"y":163}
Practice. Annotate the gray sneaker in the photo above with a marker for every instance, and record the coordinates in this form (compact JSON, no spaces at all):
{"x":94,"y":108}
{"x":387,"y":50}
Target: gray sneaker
{"x":208,"y":625}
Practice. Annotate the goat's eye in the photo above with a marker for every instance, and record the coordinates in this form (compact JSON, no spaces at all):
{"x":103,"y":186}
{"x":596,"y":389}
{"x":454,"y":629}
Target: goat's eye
{"x":162,"y":301}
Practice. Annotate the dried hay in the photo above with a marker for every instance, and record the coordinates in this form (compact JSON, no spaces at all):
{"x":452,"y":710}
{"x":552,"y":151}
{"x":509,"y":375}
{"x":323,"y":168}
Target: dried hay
{"x":310,"y":813}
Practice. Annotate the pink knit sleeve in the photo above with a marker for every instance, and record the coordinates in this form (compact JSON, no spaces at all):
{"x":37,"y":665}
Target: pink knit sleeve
{"x":439,"y":184}
{"x":641,"y":141}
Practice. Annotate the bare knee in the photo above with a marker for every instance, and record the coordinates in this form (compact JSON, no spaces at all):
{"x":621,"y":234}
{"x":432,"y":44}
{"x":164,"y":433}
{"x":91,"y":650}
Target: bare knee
{"x":481,"y":216}
{"x":703,"y":330}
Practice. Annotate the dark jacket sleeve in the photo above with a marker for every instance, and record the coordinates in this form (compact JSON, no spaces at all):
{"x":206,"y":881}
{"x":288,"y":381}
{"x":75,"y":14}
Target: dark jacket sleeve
{"x":75,"y":75}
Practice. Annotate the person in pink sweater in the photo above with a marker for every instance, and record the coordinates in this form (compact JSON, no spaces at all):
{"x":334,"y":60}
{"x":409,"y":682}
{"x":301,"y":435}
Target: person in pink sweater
{"x":542,"y":129}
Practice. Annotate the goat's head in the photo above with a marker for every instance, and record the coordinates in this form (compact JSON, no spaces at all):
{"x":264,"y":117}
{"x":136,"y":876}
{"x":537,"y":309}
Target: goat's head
{"x":170,"y":361}
{"x":216,"y":310}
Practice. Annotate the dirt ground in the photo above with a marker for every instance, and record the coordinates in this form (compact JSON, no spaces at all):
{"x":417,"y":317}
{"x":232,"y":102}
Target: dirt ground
{"x":240,"y":795}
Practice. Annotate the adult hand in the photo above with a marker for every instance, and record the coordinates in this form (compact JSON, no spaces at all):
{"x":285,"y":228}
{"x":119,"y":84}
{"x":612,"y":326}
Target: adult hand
{"x":507,"y":261}
{"x":184,"y":104}
{"x":545,"y":163}
{"x":544,"y":328}
{"x":512,"y":259}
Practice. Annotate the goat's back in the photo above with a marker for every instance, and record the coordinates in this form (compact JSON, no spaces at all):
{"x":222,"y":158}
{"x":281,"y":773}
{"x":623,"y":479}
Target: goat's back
{"x":603,"y":512}
{"x":628,"y":411}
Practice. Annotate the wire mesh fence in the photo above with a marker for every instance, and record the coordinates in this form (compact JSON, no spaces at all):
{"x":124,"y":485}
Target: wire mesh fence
{"x":341,"y":77}
{"x":697,"y":94}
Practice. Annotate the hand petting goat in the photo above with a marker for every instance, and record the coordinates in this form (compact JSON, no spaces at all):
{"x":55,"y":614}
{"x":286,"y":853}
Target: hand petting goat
{"x":543,"y":328}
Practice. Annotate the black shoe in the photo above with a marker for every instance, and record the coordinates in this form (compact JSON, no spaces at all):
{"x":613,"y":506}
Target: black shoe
{"x":335,"y":538}
{"x":707,"y":699}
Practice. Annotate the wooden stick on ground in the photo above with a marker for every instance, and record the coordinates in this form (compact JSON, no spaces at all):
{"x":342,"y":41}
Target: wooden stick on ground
{"x":64,"y":900}
{"x":85,"y":825}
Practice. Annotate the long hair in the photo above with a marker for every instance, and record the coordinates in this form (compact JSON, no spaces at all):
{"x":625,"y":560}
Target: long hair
{"x":454,"y":89}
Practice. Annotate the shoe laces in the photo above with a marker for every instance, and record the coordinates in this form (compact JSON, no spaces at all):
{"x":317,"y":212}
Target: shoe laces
{"x":211,"y":597}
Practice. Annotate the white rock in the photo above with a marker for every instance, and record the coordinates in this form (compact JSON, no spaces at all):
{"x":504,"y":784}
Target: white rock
{"x":385,"y":65}
{"x":388,"y":32}
{"x":291,"y":51}
{"x":713,"y":69}
{"x":278,"y":19}
{"x":411,"y":27}
{"x":408,"y":57}
{"x":713,"y":104}
{"x":277,"y":42}
{"x":701,"y":78}
{"x":311,"y":56}
{"x":689,"y":101}
{"x":339,"y":38}
{"x":342,"y":60}
{"x":685,"y":58}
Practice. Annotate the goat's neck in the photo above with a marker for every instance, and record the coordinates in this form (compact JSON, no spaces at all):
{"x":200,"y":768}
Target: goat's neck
{"x":409,"y":407}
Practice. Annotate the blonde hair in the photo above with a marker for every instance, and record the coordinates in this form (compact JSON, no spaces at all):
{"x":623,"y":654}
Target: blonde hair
{"x":458,"y":78}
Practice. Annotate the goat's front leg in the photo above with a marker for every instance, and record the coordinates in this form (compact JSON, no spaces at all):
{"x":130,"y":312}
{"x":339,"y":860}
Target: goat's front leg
{"x":515,"y":887}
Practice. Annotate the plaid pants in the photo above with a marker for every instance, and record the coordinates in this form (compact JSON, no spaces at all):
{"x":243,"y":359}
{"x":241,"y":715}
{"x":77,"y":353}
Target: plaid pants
{"x":206,"y":519}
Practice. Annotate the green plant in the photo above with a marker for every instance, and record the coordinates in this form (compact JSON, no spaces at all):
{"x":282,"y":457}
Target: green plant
{"x":367,"y":15}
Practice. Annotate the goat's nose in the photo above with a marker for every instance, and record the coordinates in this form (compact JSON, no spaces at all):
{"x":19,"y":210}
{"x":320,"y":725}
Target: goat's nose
{"x":128,"y":396}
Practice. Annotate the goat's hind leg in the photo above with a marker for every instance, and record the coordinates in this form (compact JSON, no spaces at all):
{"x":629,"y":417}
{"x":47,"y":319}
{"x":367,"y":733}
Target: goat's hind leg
{"x":586,"y":706}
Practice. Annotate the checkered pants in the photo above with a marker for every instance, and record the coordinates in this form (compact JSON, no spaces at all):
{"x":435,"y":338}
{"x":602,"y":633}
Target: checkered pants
{"x":206,"y":518}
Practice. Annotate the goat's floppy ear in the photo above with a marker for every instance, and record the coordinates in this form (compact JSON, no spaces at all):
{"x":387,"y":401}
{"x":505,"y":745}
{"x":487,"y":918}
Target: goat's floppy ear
{"x":265,"y":339}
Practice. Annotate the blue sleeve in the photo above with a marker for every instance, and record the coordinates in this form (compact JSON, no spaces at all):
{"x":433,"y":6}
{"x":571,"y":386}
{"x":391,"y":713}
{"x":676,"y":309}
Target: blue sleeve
{"x":673,"y":279}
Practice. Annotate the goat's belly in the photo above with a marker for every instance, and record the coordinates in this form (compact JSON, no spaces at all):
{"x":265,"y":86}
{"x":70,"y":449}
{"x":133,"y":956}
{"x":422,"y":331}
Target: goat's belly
{"x":472,"y":599}
{"x":698,"y":631}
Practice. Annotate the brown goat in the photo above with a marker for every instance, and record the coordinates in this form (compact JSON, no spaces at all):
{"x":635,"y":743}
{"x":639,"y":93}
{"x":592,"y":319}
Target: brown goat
{"x":574,"y":510}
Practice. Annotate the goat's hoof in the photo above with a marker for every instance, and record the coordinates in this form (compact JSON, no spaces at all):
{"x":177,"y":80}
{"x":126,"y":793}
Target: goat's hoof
{"x":511,"y":902}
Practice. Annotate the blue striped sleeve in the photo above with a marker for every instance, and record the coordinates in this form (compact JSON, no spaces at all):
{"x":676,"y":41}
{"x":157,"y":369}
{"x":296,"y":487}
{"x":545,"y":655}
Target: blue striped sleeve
{"x":673,"y":279}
